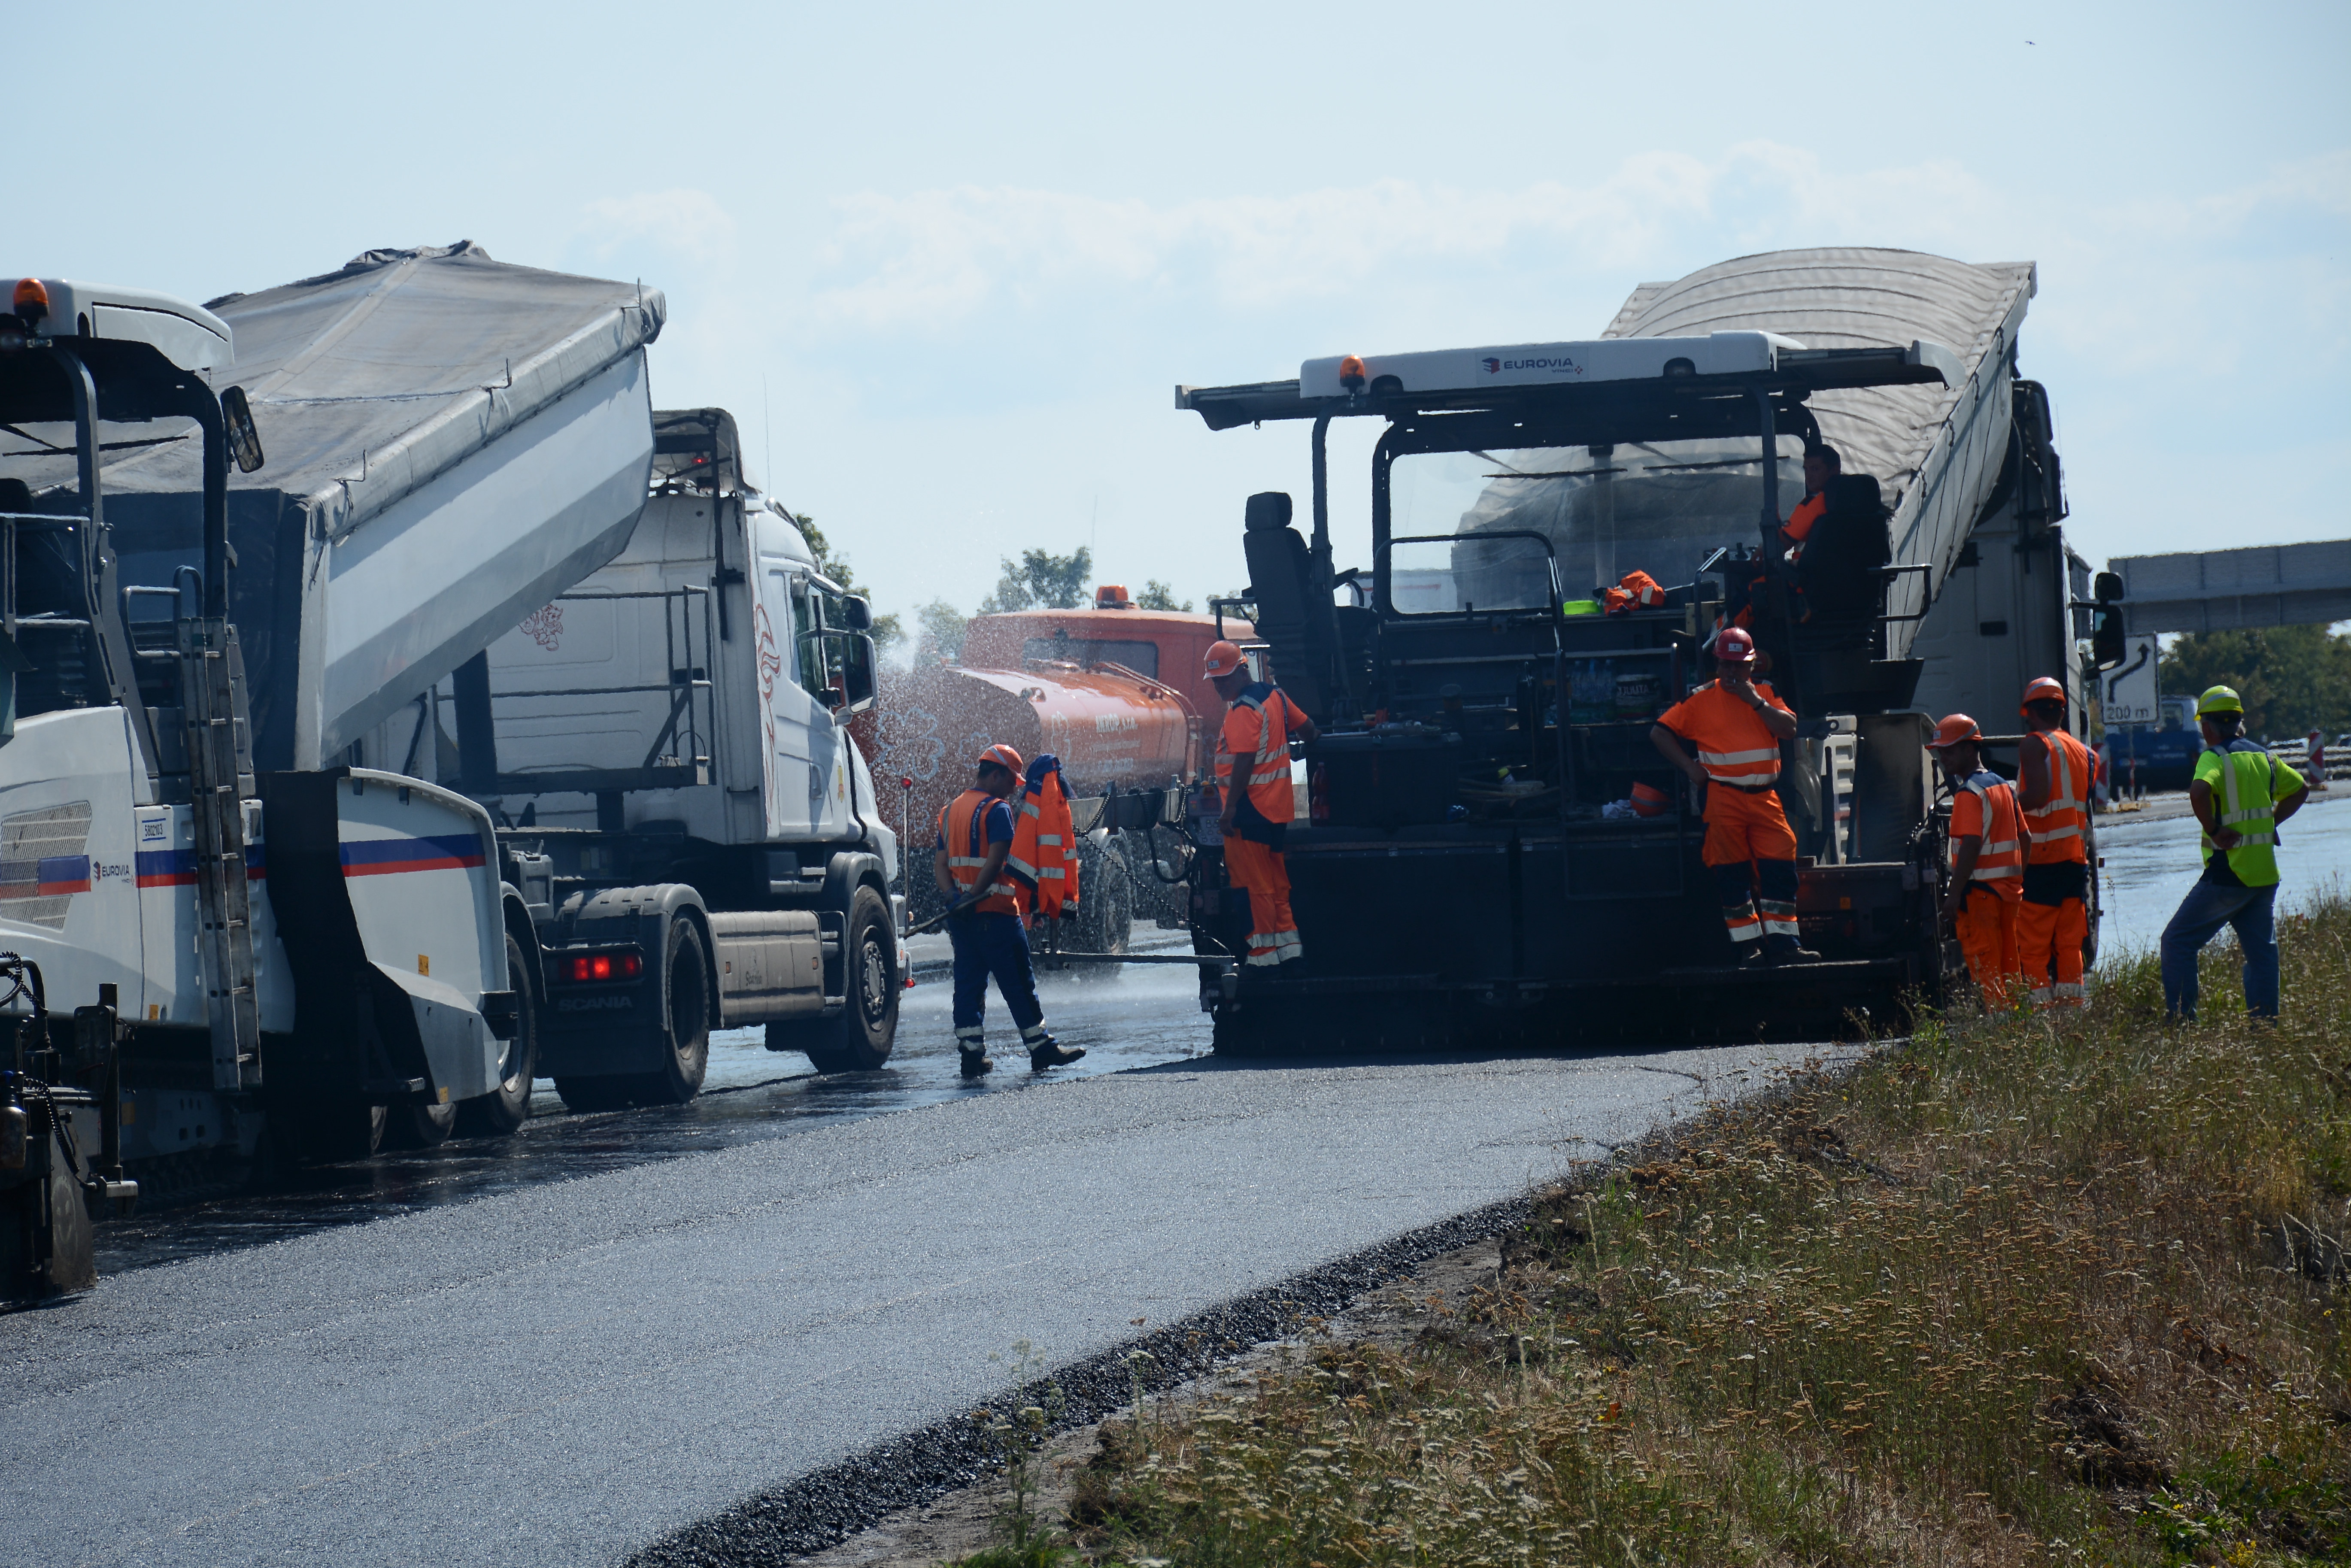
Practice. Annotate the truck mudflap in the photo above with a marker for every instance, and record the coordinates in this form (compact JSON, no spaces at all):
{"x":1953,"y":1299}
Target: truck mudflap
{"x":386,"y":896}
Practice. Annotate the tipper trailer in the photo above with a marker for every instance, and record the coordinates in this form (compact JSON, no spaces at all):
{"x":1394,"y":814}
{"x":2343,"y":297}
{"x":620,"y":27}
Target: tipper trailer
{"x":1472,"y":864}
{"x":665,"y":746}
{"x":219,"y":928}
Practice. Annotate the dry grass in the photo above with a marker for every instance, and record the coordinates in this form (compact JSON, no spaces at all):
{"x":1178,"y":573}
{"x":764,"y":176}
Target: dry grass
{"x":2027,"y":1289}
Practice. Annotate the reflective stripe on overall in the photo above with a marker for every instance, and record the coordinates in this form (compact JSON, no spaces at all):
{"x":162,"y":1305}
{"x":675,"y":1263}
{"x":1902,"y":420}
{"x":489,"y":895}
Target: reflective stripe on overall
{"x":1999,"y":859}
{"x":964,"y":823}
{"x":2055,"y":829}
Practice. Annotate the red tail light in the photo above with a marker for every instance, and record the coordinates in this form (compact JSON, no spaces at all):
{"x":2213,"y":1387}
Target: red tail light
{"x":586,"y":968}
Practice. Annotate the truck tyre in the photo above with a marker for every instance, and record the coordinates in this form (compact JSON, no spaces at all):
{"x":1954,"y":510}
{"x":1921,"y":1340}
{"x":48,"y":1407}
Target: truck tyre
{"x":418,"y":1126}
{"x":860,"y":1040}
{"x":686,"y":1017}
{"x":1105,"y":901}
{"x":503,"y":1109}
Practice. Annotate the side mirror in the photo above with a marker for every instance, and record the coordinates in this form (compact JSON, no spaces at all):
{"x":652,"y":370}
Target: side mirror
{"x":2107,"y":646}
{"x":857,"y":673}
{"x":244,"y":441}
{"x":856,"y":614}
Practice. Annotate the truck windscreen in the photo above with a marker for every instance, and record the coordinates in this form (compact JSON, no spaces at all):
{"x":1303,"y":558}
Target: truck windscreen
{"x":1659,"y":508}
{"x":1454,"y":575}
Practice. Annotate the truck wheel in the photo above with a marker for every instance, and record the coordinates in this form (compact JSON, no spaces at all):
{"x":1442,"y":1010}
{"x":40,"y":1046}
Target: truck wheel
{"x":860,"y":1040}
{"x":418,"y":1126}
{"x":503,"y":1109}
{"x":1105,"y":903}
{"x":685,"y":1011}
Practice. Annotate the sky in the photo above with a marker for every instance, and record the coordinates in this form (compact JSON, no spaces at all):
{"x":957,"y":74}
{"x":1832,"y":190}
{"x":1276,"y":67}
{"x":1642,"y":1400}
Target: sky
{"x":945,"y":264}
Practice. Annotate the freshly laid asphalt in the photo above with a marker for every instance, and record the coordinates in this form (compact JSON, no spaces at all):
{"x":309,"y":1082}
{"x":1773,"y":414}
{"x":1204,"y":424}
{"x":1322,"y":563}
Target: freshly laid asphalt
{"x":569,"y":1371}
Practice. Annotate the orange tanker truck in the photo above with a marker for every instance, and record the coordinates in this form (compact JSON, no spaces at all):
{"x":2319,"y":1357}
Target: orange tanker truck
{"x":1113,"y":690}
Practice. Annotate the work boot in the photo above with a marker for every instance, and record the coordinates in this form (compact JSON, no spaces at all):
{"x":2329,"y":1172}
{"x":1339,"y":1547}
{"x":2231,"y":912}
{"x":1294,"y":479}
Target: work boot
{"x":1787,"y":950}
{"x":1049,"y":1053}
{"x":977,"y":1063}
{"x":1747,"y":956}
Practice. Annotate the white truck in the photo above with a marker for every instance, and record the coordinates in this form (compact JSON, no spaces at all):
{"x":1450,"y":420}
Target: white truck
{"x":202,"y":941}
{"x":666,"y":748}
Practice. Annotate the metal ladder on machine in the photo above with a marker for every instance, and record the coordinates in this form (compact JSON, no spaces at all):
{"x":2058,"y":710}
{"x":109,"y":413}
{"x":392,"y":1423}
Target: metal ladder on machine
{"x":217,"y":785}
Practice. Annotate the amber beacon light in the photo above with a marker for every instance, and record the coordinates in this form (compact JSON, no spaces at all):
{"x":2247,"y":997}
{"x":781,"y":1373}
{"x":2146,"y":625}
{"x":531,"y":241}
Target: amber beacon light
{"x":1351,"y":372}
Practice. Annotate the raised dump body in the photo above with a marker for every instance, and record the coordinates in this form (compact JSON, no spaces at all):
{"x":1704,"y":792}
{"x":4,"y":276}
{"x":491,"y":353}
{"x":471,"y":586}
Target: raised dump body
{"x":450,"y":442}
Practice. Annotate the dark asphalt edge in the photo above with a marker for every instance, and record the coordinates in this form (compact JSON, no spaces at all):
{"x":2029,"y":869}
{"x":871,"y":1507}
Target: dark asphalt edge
{"x":826,"y":1507}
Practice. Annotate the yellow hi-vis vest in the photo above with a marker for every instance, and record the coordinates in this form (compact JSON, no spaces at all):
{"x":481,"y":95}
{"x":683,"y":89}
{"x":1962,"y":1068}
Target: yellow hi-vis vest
{"x":2247,"y":783}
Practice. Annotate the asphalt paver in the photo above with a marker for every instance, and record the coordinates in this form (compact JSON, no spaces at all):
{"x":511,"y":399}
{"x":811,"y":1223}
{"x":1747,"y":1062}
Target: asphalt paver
{"x":566,"y":1372}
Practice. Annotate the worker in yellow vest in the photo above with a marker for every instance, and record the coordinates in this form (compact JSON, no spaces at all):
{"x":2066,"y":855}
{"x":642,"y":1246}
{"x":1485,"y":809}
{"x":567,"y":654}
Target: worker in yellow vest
{"x":2240,"y":794}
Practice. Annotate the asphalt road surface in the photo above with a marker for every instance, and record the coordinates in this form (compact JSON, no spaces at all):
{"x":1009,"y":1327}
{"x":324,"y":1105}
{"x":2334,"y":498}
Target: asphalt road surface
{"x":563,"y":1370}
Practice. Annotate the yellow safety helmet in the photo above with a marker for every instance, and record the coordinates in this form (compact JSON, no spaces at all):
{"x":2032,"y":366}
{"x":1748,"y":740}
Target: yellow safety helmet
{"x":2220,"y":699}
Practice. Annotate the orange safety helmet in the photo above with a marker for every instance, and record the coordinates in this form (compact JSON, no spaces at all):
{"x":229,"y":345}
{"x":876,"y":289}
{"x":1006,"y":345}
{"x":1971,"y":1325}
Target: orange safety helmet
{"x":1648,"y":800}
{"x":1224,"y":658}
{"x":2044,"y":690}
{"x":1958,"y":727}
{"x":1734,"y":645}
{"x":1004,"y":757}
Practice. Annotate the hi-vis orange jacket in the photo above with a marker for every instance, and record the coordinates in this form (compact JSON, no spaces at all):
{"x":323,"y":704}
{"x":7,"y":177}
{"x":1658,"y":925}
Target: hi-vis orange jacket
{"x":2055,"y":828}
{"x":1984,"y":807}
{"x":1044,"y":846}
{"x":962,"y":833}
{"x":1734,"y":746}
{"x":1256,"y":744}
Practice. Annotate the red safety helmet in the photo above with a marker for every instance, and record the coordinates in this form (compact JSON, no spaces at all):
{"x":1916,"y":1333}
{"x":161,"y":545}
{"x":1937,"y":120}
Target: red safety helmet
{"x":1734,"y":645}
{"x":1004,"y":757}
{"x":1955,"y":729}
{"x":2044,"y":690}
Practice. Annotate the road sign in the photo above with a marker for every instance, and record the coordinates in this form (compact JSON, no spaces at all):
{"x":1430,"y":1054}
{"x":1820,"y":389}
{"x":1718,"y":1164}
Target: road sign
{"x":2129,"y":686}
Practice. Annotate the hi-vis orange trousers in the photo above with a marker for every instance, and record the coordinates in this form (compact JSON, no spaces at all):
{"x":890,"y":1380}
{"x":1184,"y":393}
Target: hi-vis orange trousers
{"x":1986,"y":927}
{"x":1273,"y":930}
{"x":2049,"y":936}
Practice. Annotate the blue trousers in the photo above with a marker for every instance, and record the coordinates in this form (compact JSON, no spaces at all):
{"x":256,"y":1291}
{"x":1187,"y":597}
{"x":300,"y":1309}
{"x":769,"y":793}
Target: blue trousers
{"x":2210,"y":906}
{"x":994,"y":945}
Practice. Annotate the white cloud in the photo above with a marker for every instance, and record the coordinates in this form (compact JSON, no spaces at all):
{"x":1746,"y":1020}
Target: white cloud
{"x":935,"y":257}
{"x":690,"y":221}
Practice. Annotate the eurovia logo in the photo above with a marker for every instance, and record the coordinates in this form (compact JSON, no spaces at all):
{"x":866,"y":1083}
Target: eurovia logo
{"x":1536,"y":365}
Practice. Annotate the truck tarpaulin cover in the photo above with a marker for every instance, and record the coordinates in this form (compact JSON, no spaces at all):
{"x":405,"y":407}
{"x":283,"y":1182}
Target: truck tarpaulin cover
{"x":1935,"y":450}
{"x":450,"y":441}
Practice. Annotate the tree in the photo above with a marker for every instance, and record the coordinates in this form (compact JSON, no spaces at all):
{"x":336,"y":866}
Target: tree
{"x":943,"y":627}
{"x":1042,"y":581}
{"x":1158,"y":595}
{"x":888,"y":630}
{"x":2292,"y":679}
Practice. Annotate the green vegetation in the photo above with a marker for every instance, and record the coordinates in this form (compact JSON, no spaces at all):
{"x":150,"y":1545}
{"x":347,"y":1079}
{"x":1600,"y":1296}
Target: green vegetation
{"x":2056,"y":1289}
{"x":1041,"y":580}
{"x":888,"y":630}
{"x":1158,"y":595}
{"x":2294,"y":679}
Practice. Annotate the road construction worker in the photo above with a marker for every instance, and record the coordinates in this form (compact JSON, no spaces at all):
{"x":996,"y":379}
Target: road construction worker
{"x":1822,"y":465}
{"x":2052,"y":790}
{"x":1253,"y":775}
{"x":1737,"y":722}
{"x":1987,"y":860}
{"x":984,"y":922}
{"x":2240,"y":794}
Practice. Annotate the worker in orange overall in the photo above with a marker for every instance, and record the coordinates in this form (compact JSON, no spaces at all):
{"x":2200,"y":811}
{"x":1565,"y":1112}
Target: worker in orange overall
{"x":1987,"y":860}
{"x":2052,"y":794}
{"x":1737,"y":722}
{"x":1253,"y":775}
{"x":984,"y":922}
{"x":1044,"y":858}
